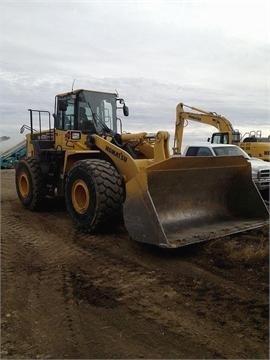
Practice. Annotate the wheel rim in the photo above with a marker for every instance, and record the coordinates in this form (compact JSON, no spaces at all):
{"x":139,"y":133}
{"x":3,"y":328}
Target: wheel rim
{"x":24,"y":186}
{"x":80,"y":196}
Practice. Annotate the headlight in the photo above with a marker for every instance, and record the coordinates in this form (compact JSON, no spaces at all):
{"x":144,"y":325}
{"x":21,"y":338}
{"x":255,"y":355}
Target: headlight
{"x":254,"y":174}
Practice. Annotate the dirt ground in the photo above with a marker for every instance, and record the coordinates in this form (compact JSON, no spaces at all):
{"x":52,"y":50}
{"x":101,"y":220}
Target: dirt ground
{"x":70,"y":295}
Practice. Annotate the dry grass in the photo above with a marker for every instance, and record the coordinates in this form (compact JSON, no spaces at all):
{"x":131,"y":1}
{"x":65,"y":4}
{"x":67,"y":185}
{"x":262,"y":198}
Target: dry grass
{"x":246,"y":249}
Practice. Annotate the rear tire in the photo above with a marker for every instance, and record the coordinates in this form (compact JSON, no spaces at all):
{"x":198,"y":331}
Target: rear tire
{"x":29,"y":183}
{"x":94,"y":194}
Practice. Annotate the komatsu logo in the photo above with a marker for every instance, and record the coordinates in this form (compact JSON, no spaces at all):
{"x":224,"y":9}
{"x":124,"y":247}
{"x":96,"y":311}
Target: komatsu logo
{"x":117,"y":154}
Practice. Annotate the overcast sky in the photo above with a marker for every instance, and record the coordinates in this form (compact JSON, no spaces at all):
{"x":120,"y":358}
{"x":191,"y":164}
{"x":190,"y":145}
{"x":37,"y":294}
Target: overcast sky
{"x":206,"y":53}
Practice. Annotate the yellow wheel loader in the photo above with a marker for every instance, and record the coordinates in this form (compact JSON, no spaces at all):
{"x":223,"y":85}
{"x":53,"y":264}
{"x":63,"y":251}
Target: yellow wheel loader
{"x":102,"y":173}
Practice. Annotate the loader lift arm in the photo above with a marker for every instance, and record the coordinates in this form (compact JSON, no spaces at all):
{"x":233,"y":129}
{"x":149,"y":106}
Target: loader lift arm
{"x":210,"y":118}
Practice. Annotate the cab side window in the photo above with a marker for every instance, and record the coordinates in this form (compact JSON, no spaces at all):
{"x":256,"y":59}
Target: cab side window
{"x":65,"y":114}
{"x":192,"y":151}
{"x":198,"y":151}
{"x":220,"y":138}
{"x":204,"y":151}
{"x":69,"y":115}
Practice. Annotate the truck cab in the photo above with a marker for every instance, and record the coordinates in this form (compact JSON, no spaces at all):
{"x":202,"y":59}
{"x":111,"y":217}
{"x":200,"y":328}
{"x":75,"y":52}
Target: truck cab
{"x":260,"y":169}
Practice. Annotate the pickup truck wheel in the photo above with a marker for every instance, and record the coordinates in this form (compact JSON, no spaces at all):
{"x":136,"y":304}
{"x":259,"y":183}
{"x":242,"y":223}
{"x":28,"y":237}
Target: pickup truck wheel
{"x":94,"y":194}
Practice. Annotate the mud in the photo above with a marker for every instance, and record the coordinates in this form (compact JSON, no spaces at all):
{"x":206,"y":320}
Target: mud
{"x":67,"y":295}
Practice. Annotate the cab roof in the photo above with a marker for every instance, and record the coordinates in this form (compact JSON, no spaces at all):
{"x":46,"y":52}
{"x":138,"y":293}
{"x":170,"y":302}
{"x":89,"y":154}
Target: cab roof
{"x":211,"y":145}
{"x":75,"y":92}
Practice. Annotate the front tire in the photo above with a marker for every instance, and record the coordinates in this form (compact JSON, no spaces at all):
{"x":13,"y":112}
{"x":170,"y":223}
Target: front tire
{"x":94,"y":194}
{"x":29,"y":183}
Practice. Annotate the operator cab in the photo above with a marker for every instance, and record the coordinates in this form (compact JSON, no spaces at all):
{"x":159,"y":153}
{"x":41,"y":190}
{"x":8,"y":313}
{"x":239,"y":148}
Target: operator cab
{"x":91,"y":112}
{"x":224,"y":138}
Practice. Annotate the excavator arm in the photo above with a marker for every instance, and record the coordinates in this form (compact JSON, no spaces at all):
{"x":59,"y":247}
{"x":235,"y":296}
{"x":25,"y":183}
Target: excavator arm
{"x":210,"y":118}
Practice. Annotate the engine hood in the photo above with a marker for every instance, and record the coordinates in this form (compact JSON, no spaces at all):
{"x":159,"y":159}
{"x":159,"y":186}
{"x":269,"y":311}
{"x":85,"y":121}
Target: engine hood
{"x":258,"y":164}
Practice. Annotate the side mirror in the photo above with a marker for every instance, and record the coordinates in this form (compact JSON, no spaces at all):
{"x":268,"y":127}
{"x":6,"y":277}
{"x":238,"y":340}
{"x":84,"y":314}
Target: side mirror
{"x":62,"y":105}
{"x":125,"y":110}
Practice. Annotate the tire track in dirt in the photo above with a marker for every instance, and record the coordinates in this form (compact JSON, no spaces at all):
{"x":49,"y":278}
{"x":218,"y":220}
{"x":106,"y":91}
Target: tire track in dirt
{"x":27,"y":261}
{"x":157,"y":287}
{"x":128,"y":278}
{"x":54,"y":255}
{"x":87,"y":274}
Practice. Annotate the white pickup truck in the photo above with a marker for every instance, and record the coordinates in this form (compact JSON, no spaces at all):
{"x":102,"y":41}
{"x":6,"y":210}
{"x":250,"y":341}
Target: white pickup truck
{"x":260,"y":169}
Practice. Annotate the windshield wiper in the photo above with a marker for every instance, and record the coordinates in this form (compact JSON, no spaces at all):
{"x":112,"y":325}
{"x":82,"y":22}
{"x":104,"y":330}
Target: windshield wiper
{"x":105,"y":130}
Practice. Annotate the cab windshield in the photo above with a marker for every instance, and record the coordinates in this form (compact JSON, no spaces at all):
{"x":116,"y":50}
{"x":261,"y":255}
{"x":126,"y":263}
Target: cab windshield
{"x":98,"y":108}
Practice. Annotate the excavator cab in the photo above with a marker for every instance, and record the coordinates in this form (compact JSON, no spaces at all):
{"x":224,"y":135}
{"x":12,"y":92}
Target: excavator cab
{"x":226,"y":138}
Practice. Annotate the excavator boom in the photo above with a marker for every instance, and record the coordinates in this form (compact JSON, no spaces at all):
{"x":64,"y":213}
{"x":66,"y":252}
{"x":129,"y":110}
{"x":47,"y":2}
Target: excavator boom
{"x":203,"y":117}
{"x":253,"y":144}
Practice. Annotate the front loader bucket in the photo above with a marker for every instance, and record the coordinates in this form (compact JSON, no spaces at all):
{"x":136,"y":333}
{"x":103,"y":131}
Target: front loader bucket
{"x":185,"y":200}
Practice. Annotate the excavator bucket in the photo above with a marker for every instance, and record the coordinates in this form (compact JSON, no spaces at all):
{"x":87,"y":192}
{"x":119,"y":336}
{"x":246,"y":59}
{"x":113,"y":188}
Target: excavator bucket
{"x":185,"y":200}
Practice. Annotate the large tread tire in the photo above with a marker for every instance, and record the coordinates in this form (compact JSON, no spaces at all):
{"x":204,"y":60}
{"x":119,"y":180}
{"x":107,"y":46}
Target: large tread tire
{"x":94,"y":195}
{"x":29,"y":183}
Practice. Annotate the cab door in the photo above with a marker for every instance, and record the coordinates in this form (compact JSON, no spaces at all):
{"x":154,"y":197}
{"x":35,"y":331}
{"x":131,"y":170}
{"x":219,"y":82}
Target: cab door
{"x":65,"y":118}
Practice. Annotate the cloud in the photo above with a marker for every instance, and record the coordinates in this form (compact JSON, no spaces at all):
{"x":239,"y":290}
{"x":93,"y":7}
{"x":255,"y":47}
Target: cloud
{"x":212,"y":55}
{"x":4,"y":138}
